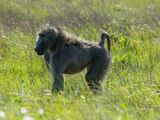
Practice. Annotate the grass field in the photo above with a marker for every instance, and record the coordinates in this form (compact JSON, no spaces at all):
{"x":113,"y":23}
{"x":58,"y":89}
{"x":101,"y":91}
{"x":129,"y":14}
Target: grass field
{"x":132,"y":87}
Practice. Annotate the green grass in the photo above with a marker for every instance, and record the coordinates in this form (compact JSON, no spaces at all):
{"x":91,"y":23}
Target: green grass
{"x":132,"y":87}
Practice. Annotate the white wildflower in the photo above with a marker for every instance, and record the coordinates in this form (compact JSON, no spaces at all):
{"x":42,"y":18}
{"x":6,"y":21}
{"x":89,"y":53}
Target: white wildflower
{"x":41,"y":111}
{"x":2,"y":114}
{"x":23,"y":110}
{"x":28,"y":118}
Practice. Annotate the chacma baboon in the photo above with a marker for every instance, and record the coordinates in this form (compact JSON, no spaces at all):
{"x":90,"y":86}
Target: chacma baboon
{"x":67,"y":54}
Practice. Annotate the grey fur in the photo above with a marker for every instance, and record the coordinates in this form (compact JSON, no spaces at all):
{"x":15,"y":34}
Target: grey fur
{"x":67,"y":54}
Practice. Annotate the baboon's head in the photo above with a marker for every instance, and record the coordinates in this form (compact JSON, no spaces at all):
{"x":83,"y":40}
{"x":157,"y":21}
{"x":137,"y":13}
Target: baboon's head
{"x":46,"y":39}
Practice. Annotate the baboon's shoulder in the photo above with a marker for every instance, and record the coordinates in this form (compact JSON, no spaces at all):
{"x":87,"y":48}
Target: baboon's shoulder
{"x":72,"y":40}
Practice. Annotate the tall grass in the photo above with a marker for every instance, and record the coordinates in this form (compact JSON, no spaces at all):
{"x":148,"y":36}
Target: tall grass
{"x":131,"y":89}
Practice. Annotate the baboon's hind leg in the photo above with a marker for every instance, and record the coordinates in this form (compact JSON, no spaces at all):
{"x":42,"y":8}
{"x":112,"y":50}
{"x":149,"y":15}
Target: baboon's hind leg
{"x":95,"y":75}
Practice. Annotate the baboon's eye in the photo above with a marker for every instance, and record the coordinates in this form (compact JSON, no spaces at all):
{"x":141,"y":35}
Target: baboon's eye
{"x":41,"y":34}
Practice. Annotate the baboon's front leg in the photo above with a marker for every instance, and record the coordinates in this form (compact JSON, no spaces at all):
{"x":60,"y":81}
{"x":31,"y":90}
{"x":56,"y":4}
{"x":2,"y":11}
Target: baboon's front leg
{"x":58,"y":65}
{"x":58,"y":82}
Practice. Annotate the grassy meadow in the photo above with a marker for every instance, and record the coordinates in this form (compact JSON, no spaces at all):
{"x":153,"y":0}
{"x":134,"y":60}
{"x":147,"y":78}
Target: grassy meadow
{"x":132,"y":86}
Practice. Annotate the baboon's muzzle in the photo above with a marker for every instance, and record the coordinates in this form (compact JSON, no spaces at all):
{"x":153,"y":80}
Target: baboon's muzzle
{"x":40,"y":48}
{"x":39,"y":51}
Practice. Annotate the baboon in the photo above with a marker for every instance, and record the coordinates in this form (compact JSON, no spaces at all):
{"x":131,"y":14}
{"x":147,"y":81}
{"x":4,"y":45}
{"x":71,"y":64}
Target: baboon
{"x":68,"y":54}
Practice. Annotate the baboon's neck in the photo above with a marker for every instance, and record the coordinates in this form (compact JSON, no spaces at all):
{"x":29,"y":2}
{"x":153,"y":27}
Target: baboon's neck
{"x":55,"y":44}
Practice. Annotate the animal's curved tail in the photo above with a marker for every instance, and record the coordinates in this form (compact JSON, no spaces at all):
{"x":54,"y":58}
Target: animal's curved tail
{"x":103,"y":36}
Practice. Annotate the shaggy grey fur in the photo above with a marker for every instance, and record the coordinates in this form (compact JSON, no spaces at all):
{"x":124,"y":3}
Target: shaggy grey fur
{"x":67,"y":54}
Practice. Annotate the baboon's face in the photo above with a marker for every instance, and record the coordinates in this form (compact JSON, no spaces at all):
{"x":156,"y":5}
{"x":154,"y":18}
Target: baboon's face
{"x":46,"y":39}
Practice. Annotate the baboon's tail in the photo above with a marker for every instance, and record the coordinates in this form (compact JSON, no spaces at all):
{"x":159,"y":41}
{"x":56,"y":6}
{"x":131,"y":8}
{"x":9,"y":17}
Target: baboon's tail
{"x":103,"y":36}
